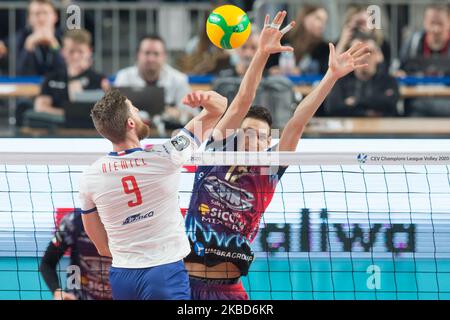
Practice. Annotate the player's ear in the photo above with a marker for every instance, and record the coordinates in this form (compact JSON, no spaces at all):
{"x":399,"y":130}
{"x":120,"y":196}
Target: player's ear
{"x":130,"y":123}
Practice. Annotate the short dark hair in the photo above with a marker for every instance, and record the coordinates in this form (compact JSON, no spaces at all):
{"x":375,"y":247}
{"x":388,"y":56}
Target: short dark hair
{"x":110,"y":115}
{"x":260,"y":113}
{"x":152,"y":37}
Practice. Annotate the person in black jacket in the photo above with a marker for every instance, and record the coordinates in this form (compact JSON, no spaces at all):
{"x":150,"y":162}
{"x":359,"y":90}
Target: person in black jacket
{"x":38,"y":45}
{"x":93,"y":279}
{"x":61,"y":87}
{"x":369,"y":91}
{"x":431,"y":42}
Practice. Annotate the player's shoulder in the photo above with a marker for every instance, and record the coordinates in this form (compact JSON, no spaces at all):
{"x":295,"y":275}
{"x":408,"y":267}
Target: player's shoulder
{"x":94,"y":169}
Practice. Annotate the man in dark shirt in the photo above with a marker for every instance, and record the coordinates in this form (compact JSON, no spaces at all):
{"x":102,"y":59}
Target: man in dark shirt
{"x":427,"y":53}
{"x":59,"y":88}
{"x":432,"y":42}
{"x":93,"y":279}
{"x":368,"y":92}
{"x":38,"y":45}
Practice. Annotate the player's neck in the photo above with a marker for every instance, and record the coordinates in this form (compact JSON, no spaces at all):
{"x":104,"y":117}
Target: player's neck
{"x":126,"y":145}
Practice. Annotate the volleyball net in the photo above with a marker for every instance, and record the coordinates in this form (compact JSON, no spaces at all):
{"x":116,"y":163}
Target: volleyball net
{"x":350,"y":219}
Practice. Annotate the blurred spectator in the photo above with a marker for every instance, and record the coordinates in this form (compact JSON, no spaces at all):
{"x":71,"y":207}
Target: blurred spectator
{"x":427,"y":53}
{"x":276,"y":92}
{"x":432,"y":42}
{"x":151,"y":69}
{"x":3,"y":57}
{"x":3,"y":50}
{"x":356,"y":18}
{"x":310,"y":50}
{"x":369,"y":91}
{"x":202,"y":57}
{"x":38,"y":45}
{"x":60,"y":87}
{"x":244,"y":55}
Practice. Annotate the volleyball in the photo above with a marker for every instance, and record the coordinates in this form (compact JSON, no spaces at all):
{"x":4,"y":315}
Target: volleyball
{"x":228,"y":27}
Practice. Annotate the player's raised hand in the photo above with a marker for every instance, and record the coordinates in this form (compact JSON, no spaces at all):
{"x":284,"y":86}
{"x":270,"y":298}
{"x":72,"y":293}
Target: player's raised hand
{"x":196,"y":99}
{"x":269,"y":40}
{"x":352,"y":59}
{"x":210,"y":100}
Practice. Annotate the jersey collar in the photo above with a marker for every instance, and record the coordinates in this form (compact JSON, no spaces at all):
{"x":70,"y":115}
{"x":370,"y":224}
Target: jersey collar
{"x":124,"y":152}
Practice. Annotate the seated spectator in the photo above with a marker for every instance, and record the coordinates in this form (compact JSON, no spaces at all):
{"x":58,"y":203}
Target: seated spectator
{"x":60,"y":87}
{"x":369,"y":91}
{"x":204,"y":57}
{"x":431,"y":42}
{"x":356,"y":22}
{"x":3,"y":57}
{"x":310,"y":50}
{"x":151,"y":69}
{"x":427,"y":53}
{"x":243,"y":56}
{"x":3,"y":50}
{"x":38,"y":45}
{"x":201,"y":56}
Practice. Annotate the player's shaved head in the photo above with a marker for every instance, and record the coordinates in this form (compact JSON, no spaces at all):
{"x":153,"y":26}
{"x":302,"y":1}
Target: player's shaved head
{"x":110,"y":115}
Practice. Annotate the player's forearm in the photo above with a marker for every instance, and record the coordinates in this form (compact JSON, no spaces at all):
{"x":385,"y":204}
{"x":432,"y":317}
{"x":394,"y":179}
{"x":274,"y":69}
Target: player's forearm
{"x":48,"y":265}
{"x":304,"y":112}
{"x":97,"y":233}
{"x":241,"y":103}
{"x":250,"y":82}
{"x":308,"y":107}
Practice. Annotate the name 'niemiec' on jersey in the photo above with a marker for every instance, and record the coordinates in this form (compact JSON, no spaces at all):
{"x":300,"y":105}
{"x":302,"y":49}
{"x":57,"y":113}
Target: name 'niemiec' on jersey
{"x":135,"y":193}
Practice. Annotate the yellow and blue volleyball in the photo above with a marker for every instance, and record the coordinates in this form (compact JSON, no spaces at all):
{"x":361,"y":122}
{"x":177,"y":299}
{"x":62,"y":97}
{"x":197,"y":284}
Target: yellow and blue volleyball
{"x":228,"y":27}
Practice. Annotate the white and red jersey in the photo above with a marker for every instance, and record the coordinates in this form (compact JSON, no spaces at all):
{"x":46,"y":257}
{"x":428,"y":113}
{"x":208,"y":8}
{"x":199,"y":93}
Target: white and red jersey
{"x":135,"y":193}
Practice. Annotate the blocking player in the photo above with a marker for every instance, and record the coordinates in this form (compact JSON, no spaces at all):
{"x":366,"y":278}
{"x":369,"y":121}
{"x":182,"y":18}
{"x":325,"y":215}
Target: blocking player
{"x":93,"y":281}
{"x":228,"y":202}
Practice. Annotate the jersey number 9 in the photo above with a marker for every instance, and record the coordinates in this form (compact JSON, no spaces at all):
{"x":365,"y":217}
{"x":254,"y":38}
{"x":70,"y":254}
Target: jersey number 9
{"x":134,"y":189}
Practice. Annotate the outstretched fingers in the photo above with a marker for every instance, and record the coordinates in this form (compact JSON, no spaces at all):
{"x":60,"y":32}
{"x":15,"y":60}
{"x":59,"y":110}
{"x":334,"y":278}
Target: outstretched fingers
{"x":286,"y":48}
{"x":354,"y":48}
{"x":279,"y":18}
{"x":359,"y":66}
{"x":332,"y":51}
{"x":267,"y":21}
{"x":361,"y":52}
{"x":288,"y":28}
{"x":361,"y":59}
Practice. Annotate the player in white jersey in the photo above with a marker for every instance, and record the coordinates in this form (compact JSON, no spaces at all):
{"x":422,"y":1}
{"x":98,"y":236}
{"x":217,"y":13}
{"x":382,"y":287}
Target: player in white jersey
{"x":129,"y":198}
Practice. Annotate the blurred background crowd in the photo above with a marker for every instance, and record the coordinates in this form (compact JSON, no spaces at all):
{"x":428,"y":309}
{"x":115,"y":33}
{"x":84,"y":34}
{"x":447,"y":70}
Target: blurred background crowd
{"x":158,"y":51}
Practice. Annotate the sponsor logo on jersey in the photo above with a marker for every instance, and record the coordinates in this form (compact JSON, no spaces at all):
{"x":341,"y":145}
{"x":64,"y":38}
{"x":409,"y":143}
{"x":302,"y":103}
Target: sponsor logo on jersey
{"x":230,"y":219}
{"x":233,"y":197}
{"x":180,"y":143}
{"x":228,"y":254}
{"x":199,"y":249}
{"x":137,"y":217}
